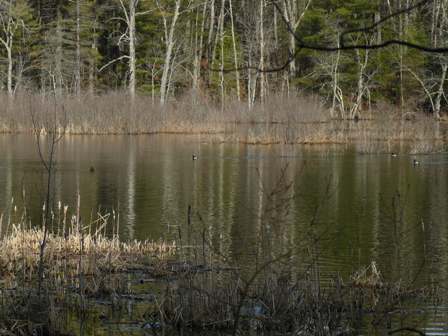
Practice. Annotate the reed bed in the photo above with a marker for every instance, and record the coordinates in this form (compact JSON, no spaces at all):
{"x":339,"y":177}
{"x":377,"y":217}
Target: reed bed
{"x":89,"y":259}
{"x":20,"y":251}
{"x":281,"y":120}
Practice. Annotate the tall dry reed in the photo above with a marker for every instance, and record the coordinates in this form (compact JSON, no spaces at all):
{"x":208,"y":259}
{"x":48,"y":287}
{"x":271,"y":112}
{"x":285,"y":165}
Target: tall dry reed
{"x":295,"y":119}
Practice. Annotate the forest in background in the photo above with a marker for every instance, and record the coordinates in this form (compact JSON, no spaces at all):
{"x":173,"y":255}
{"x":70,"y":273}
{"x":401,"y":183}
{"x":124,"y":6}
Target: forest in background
{"x":227,"y":50}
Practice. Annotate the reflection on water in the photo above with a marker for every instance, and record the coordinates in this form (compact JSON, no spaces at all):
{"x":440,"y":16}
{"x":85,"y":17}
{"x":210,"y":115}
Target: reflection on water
{"x":367,"y":207}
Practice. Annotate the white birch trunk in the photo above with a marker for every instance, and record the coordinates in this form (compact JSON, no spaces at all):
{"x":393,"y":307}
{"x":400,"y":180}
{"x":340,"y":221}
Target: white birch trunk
{"x":440,"y":92}
{"x":221,"y":24}
{"x":58,"y":82}
{"x":199,"y":44}
{"x":168,"y":55}
{"x":262,"y":47}
{"x":10,"y":89}
{"x":335,"y":74}
{"x":235,"y":54}
{"x":78,"y":51}
{"x":132,"y":60}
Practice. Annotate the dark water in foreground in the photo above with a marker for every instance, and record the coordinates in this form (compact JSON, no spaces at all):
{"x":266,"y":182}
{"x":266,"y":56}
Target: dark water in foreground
{"x":365,"y":207}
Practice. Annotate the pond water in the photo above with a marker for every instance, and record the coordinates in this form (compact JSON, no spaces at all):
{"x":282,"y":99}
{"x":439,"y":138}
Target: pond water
{"x":362,"y":207}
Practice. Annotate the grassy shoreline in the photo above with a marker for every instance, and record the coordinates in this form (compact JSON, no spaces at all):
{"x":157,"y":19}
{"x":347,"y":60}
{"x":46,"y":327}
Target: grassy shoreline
{"x":293,"y":120}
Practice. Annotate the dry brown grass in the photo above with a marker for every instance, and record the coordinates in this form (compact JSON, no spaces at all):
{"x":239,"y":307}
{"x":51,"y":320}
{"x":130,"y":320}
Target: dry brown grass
{"x":114,"y":113}
{"x":92,"y":252}
{"x":293,"y":120}
{"x":20,"y":252}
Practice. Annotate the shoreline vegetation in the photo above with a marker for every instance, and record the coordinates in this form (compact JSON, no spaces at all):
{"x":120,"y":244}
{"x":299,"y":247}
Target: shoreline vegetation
{"x":93,"y":280}
{"x":295,"y":119}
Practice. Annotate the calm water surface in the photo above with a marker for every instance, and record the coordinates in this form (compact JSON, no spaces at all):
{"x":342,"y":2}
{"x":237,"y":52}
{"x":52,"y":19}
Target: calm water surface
{"x":364,"y":207}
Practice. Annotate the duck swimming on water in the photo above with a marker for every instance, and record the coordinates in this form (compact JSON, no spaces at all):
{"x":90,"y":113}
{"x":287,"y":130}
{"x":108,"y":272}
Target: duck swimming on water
{"x":394,"y":154}
{"x":416,"y":162}
{"x":194,"y":157}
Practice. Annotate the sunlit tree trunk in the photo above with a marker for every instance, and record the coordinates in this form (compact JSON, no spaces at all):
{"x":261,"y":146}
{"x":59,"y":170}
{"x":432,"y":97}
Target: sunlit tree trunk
{"x":440,"y":91}
{"x":335,"y":83}
{"x":362,"y":64}
{"x":78,"y":50}
{"x":235,"y":53}
{"x":57,"y":78}
{"x":168,"y":53}
{"x":221,"y":25}
{"x":129,"y":12}
{"x":9,"y":83}
{"x":132,"y":60}
{"x":262,"y":56}
{"x":11,"y":22}
{"x":199,"y":48}
{"x":291,"y":13}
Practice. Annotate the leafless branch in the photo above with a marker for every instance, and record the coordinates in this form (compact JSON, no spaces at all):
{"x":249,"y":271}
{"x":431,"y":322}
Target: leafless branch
{"x":113,"y":61}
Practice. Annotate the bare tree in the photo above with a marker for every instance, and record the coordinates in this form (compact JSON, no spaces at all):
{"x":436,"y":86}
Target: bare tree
{"x":440,"y":34}
{"x":294,"y":12}
{"x":11,"y":23}
{"x":198,"y":45}
{"x":235,"y":52}
{"x":48,"y":129}
{"x":129,"y":10}
{"x":169,"y":44}
{"x":78,"y":49}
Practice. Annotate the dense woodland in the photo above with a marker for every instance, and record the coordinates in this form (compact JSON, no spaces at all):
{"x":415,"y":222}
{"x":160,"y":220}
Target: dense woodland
{"x":224,"y":50}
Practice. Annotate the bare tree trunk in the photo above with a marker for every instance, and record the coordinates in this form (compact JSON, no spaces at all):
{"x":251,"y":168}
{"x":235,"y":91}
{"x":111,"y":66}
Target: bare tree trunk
{"x":168,"y":55}
{"x":379,"y":37}
{"x":335,"y":75}
{"x":424,"y":87}
{"x":235,"y":54}
{"x":356,"y":109}
{"x":210,"y":38}
{"x":132,"y":61}
{"x":169,"y":86}
{"x":58,"y":82}
{"x":211,"y":29}
{"x":10,"y":90}
{"x":10,"y":23}
{"x":153,"y":86}
{"x":217,"y":38}
{"x":92,"y":66}
{"x":221,"y":25}
{"x":292,"y":14}
{"x":440,"y":92}
{"x":251,"y":82}
{"x":78,"y":50}
{"x":262,"y":49}
{"x":401,"y":29}
{"x":199,"y":46}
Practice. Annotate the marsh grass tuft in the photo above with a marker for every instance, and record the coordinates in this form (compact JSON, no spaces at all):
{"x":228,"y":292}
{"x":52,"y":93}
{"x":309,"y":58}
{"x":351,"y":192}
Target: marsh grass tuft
{"x":62,"y":253}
